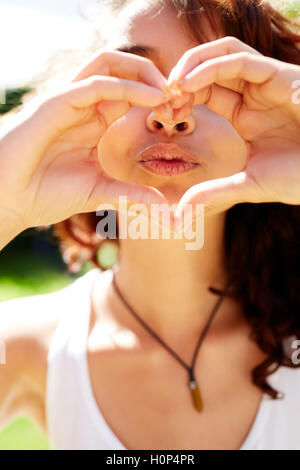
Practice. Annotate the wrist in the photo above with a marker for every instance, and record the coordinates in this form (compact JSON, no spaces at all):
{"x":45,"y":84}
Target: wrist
{"x":11,"y":225}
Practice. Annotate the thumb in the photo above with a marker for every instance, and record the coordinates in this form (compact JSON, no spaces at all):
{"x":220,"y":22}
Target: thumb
{"x":111,"y":111}
{"x":121,"y":195}
{"x":221,"y":194}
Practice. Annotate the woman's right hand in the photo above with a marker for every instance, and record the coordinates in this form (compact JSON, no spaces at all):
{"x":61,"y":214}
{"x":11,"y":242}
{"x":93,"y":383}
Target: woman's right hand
{"x":49,"y":168}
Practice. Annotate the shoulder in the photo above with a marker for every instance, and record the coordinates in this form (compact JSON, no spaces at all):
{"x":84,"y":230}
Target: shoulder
{"x":27,"y":324}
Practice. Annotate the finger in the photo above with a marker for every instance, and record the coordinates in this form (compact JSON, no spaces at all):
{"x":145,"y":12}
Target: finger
{"x":276,"y":87}
{"x":96,"y":88}
{"x":217,"y":98}
{"x":57,"y":113}
{"x":221,"y":100}
{"x":183,"y":112}
{"x":70,"y":106}
{"x":164,"y":110}
{"x":123,"y":65}
{"x":241,"y":65}
{"x":178,"y":101}
{"x":167,"y":110}
{"x":108,"y":190}
{"x":199,"y":54}
{"x":111,"y":111}
{"x":222,"y":194}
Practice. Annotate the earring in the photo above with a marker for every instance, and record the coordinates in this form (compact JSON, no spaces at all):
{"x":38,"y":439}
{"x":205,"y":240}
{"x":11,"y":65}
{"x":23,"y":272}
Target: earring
{"x":107,"y":254}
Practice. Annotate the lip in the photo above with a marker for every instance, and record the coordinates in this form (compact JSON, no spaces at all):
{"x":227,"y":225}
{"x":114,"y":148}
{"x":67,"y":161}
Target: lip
{"x":167,"y":159}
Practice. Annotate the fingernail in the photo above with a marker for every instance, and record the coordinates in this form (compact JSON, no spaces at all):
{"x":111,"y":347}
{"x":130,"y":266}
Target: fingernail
{"x":175,"y":90}
{"x":168,"y":93}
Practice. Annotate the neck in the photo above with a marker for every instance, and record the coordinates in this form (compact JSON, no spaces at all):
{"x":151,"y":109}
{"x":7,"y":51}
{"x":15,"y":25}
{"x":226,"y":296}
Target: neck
{"x":167,"y":285}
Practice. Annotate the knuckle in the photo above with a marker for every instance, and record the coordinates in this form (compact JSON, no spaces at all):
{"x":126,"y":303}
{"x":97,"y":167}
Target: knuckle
{"x":148,"y":64}
{"x":147,"y":67}
{"x":244,"y":56}
{"x":93,"y":81}
{"x":190,"y":53}
{"x":187,"y":56}
{"x":105,"y":55}
{"x":232,"y":40}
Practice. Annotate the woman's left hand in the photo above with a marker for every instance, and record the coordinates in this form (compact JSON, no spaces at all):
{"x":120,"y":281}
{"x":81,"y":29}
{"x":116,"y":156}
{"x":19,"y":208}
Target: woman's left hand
{"x":260,"y":96}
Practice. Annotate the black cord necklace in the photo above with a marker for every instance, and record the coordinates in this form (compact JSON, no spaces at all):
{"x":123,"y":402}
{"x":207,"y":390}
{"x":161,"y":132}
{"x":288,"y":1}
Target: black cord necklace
{"x":192,"y":383}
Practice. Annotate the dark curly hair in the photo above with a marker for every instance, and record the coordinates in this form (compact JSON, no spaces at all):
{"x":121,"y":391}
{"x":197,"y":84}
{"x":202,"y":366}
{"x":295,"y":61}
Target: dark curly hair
{"x":261,"y":241}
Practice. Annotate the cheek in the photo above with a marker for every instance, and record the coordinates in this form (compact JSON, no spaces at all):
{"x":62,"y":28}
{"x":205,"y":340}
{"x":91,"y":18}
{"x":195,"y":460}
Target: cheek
{"x":116,"y":147}
{"x":229,"y":150}
{"x":224,"y":151}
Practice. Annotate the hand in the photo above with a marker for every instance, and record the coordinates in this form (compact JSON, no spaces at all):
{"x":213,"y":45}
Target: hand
{"x":257,"y":95}
{"x":48,"y":151}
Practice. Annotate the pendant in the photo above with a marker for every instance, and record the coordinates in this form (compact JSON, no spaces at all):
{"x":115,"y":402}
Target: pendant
{"x":197,"y":399}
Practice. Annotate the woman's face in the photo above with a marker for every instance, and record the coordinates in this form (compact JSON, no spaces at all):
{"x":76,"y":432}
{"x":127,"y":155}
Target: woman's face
{"x":219,"y":149}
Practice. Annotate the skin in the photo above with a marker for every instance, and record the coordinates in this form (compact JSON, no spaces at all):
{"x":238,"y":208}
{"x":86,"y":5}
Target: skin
{"x":116,"y":341}
{"x":118,"y":148}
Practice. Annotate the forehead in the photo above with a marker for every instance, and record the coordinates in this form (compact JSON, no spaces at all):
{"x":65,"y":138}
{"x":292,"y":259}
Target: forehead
{"x":154,"y":23}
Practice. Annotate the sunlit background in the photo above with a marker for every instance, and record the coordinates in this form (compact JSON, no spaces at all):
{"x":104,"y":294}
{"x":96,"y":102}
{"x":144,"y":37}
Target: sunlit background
{"x":31,"y":31}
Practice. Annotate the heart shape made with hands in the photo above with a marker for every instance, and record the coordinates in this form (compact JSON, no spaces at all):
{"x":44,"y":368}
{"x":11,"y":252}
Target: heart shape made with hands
{"x":255,"y":94}
{"x":175,"y":110}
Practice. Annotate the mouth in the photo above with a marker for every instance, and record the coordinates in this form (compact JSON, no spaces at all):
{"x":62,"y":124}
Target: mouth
{"x":167,"y":159}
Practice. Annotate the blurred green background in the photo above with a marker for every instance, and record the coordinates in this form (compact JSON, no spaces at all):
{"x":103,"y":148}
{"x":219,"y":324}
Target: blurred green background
{"x":290,"y":8}
{"x":32,"y":264}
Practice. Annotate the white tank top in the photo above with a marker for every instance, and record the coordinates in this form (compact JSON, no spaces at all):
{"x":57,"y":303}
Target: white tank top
{"x":74,"y":420}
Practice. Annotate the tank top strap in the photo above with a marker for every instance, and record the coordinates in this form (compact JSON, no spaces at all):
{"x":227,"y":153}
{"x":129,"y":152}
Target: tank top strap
{"x":67,"y":348}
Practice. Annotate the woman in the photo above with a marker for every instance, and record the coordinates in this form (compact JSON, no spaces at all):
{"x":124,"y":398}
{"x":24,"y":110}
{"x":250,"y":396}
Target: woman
{"x":77,"y":360}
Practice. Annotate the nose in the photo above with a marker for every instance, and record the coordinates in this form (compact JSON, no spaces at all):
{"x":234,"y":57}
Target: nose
{"x":157,"y":124}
